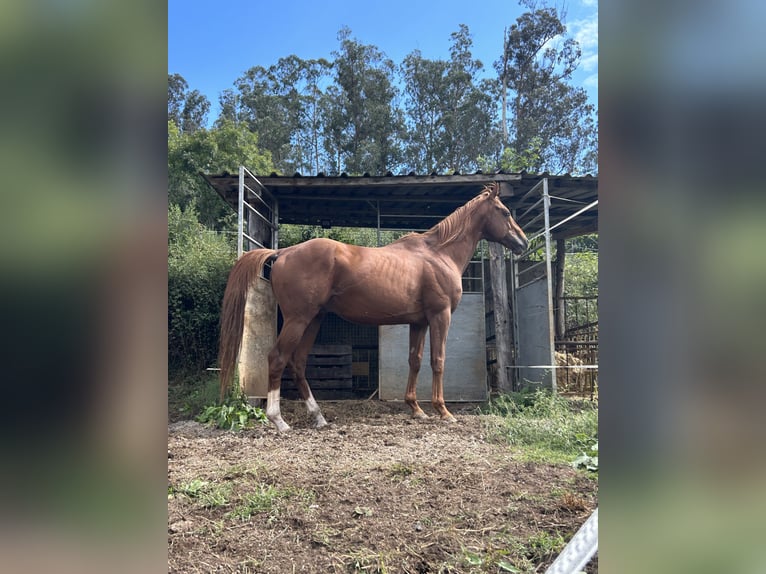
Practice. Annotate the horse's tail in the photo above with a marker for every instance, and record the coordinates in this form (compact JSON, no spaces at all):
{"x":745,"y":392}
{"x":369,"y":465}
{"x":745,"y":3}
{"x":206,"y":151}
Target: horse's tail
{"x":244,"y":273}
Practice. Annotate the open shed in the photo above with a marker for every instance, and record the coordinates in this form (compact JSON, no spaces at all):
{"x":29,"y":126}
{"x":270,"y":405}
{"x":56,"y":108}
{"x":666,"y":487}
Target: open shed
{"x":509,"y":318}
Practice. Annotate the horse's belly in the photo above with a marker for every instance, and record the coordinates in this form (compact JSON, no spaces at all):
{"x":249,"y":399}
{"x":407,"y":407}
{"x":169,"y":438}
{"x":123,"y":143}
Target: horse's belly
{"x":371,"y":306}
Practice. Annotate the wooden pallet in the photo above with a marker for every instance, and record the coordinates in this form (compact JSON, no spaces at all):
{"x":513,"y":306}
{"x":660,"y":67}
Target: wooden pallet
{"x":328,"y":367}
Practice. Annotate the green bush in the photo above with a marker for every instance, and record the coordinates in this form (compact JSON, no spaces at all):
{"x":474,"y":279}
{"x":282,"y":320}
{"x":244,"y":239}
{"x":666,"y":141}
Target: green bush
{"x":199,"y":261}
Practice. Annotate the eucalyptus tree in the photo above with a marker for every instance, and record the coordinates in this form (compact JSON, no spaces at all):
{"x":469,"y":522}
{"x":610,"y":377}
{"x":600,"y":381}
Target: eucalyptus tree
{"x":550,"y":120}
{"x":362,"y":125}
{"x":281,"y":104}
{"x":265,"y":102}
{"x":450,"y":112}
{"x":470,"y":108}
{"x":424,"y":93}
{"x":308,"y":150}
{"x":187,"y":109}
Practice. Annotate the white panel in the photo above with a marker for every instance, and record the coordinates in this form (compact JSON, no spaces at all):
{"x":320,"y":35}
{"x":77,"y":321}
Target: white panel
{"x":535,"y":338}
{"x":465,"y":369}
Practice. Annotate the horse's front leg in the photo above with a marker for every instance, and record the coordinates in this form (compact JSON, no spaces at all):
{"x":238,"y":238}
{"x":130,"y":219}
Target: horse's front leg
{"x":439,"y":326}
{"x":417,"y":341}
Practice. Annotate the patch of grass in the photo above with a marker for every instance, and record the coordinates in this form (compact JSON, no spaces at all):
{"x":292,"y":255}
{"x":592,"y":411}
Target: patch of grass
{"x":543,"y":546}
{"x":207,"y":494}
{"x":547,"y":427}
{"x":263,"y":499}
{"x":269,"y":499}
{"x":507,"y":556}
{"x":504,"y":553}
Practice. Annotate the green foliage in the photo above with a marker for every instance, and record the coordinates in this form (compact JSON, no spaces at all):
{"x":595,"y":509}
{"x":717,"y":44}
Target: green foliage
{"x":525,"y":160}
{"x":543,"y":545}
{"x":186,"y":109}
{"x":366,"y":237}
{"x":190,"y":393}
{"x":450,"y":112}
{"x":362,"y":122}
{"x":198,"y":265}
{"x":547,"y":425}
{"x":534,"y":73}
{"x":221,"y":149}
{"x":581,"y":272}
{"x":236,"y":414}
{"x":361,"y":112}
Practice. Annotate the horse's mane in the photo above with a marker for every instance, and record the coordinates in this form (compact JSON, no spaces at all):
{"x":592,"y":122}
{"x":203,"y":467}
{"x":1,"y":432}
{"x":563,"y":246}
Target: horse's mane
{"x":453,"y":226}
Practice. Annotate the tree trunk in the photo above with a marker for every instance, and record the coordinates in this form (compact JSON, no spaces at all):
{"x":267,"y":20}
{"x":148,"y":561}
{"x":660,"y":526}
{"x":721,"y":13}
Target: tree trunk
{"x":502,"y":316}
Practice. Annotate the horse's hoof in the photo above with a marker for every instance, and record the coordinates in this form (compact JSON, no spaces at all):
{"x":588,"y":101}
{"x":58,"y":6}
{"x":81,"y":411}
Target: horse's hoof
{"x":449,"y":419}
{"x":420,"y":415}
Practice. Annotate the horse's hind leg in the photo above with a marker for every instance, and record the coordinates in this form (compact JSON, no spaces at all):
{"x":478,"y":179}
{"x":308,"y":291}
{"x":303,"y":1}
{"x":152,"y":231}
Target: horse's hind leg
{"x":288,"y":340}
{"x":298,"y":366}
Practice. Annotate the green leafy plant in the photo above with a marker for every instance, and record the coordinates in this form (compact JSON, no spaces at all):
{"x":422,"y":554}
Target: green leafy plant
{"x":235,"y":415}
{"x":588,"y":460}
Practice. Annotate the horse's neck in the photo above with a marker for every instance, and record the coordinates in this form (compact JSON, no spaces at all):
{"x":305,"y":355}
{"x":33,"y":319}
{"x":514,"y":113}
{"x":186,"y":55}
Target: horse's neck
{"x":461,"y":250}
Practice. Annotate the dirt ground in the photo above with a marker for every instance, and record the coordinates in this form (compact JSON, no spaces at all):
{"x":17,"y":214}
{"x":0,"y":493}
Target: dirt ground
{"x":375,"y":491}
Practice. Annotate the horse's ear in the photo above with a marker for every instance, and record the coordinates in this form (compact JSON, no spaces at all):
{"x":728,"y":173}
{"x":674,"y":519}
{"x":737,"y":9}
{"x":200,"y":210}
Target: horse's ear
{"x":494,"y":189}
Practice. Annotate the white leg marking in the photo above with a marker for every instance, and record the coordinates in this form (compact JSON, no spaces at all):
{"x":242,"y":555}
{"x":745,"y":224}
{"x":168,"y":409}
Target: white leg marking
{"x":313,"y":408}
{"x":273,"y":412}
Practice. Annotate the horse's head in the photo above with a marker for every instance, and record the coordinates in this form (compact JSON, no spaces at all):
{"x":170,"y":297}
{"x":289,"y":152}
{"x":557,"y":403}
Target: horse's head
{"x":499,"y":226}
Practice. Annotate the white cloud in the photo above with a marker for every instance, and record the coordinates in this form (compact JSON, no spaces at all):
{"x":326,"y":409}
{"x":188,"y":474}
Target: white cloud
{"x":585,"y":31}
{"x":589,"y":63}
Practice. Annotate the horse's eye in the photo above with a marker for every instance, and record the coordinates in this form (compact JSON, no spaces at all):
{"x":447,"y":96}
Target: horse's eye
{"x":507,"y":213}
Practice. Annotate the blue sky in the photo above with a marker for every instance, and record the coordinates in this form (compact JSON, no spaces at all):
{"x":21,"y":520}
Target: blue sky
{"x":212,"y":43}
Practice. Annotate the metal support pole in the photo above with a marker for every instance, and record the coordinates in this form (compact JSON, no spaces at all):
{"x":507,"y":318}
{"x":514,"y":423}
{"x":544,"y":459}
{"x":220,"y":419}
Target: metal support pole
{"x":549,"y":279}
{"x":513,"y":377}
{"x":275,"y":229}
{"x":241,"y":212}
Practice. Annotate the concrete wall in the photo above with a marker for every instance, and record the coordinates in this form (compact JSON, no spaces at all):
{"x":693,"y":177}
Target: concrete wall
{"x":259,"y":337}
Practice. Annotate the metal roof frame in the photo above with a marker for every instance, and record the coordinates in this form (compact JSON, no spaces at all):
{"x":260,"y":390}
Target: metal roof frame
{"x":413,"y":202}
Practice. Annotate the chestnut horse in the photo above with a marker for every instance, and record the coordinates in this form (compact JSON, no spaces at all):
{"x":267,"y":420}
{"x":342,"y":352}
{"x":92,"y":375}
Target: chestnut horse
{"x":415,"y":280}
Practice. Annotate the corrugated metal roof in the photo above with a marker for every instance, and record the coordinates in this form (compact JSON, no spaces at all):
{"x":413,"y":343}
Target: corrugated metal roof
{"x":414,"y":201}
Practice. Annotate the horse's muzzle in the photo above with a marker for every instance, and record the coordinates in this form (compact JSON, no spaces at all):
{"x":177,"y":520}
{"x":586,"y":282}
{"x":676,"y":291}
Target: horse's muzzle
{"x":517,"y":245}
